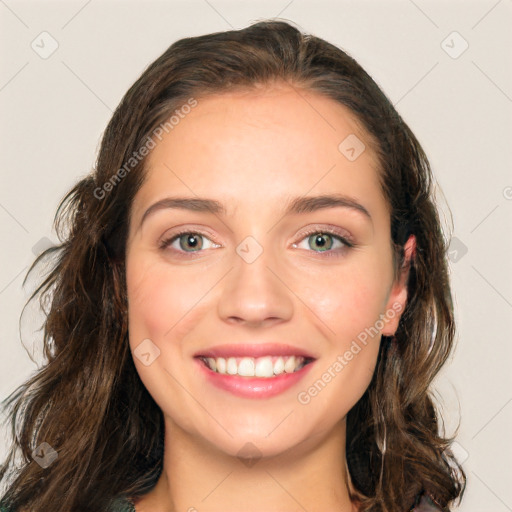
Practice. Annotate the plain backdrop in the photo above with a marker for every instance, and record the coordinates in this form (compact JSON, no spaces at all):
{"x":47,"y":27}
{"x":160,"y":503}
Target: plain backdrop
{"x":445,"y":65}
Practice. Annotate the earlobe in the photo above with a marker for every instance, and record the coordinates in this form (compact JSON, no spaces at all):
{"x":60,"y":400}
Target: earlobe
{"x":398,"y":296}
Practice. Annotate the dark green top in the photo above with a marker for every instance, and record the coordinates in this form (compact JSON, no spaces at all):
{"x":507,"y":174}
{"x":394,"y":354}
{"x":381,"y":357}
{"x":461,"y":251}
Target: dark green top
{"x":123,"y":505}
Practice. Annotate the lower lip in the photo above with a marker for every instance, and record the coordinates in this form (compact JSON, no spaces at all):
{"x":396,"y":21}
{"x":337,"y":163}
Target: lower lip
{"x":253,"y":387}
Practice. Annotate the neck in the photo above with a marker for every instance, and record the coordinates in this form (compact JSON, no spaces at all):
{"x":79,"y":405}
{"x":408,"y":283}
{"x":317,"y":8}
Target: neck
{"x":197,"y":476}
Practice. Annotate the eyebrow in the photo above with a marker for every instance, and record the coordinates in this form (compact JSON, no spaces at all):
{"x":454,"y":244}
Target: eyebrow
{"x":296,"y":205}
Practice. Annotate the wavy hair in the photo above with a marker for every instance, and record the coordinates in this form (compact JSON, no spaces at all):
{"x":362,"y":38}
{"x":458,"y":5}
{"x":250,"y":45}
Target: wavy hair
{"x":87,"y":400}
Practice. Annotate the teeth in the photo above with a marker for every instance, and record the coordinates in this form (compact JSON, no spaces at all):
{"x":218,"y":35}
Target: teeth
{"x":232,"y":366}
{"x":267,"y":366}
{"x":289,"y":365}
{"x":264,"y":367}
{"x":246,"y":367}
{"x":279,"y":366}
{"x":220,"y":364}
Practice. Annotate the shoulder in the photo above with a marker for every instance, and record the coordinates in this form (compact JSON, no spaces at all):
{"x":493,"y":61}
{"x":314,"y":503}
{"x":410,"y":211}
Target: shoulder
{"x":426,"y":504}
{"x":120,"y":505}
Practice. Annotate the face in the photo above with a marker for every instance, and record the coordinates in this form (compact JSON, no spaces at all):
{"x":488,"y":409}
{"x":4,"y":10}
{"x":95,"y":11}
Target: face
{"x":315,"y":281}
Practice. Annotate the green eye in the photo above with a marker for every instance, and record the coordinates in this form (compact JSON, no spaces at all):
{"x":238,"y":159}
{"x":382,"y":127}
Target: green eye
{"x":193,"y":239}
{"x":318,"y":240}
{"x":321,"y":241}
{"x":187,"y":240}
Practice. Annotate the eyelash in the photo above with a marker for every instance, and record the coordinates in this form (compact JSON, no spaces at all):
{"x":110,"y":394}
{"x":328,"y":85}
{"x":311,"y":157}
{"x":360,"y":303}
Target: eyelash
{"x":165,"y":243}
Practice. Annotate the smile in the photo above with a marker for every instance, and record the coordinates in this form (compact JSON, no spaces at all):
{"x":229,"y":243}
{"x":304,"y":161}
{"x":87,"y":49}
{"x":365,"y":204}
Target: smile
{"x":249,"y":377}
{"x":266,"y":366}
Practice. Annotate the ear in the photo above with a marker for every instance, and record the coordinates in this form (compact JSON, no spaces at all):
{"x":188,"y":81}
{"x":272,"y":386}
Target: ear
{"x":398,"y":295}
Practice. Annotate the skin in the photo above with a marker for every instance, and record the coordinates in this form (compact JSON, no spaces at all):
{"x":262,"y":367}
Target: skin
{"x":252,"y":151}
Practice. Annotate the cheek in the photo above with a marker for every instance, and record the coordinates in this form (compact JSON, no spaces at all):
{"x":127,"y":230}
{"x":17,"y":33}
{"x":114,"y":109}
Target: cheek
{"x":161,"y":303}
{"x":350,"y":301}
{"x":163,"y":307}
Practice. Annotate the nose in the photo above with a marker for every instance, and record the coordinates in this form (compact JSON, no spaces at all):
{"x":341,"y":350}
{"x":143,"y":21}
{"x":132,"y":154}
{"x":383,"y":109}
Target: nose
{"x":256,"y":293}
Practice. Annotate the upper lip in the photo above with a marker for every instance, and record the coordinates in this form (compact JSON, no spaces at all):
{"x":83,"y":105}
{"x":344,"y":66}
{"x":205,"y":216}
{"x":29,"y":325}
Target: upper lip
{"x":254,"y":350}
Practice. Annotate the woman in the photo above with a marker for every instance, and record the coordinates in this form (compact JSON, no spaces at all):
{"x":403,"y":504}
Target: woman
{"x":283,"y":359}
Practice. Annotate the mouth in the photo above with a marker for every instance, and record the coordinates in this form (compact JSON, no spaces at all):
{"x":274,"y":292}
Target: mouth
{"x":254,"y":370}
{"x":267,"y":366}
{"x":252,"y":377}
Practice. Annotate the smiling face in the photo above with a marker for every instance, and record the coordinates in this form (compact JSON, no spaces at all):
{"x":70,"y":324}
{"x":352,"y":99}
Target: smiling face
{"x":258,"y":270}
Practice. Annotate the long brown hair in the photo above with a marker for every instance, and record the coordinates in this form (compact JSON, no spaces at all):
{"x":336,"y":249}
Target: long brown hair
{"x":88,"y":403}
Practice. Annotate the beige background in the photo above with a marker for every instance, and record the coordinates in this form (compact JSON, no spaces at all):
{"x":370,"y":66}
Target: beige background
{"x":459,"y":103}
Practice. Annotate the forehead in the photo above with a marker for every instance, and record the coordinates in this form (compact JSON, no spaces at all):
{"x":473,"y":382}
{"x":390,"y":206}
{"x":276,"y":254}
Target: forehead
{"x":255,"y":146}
